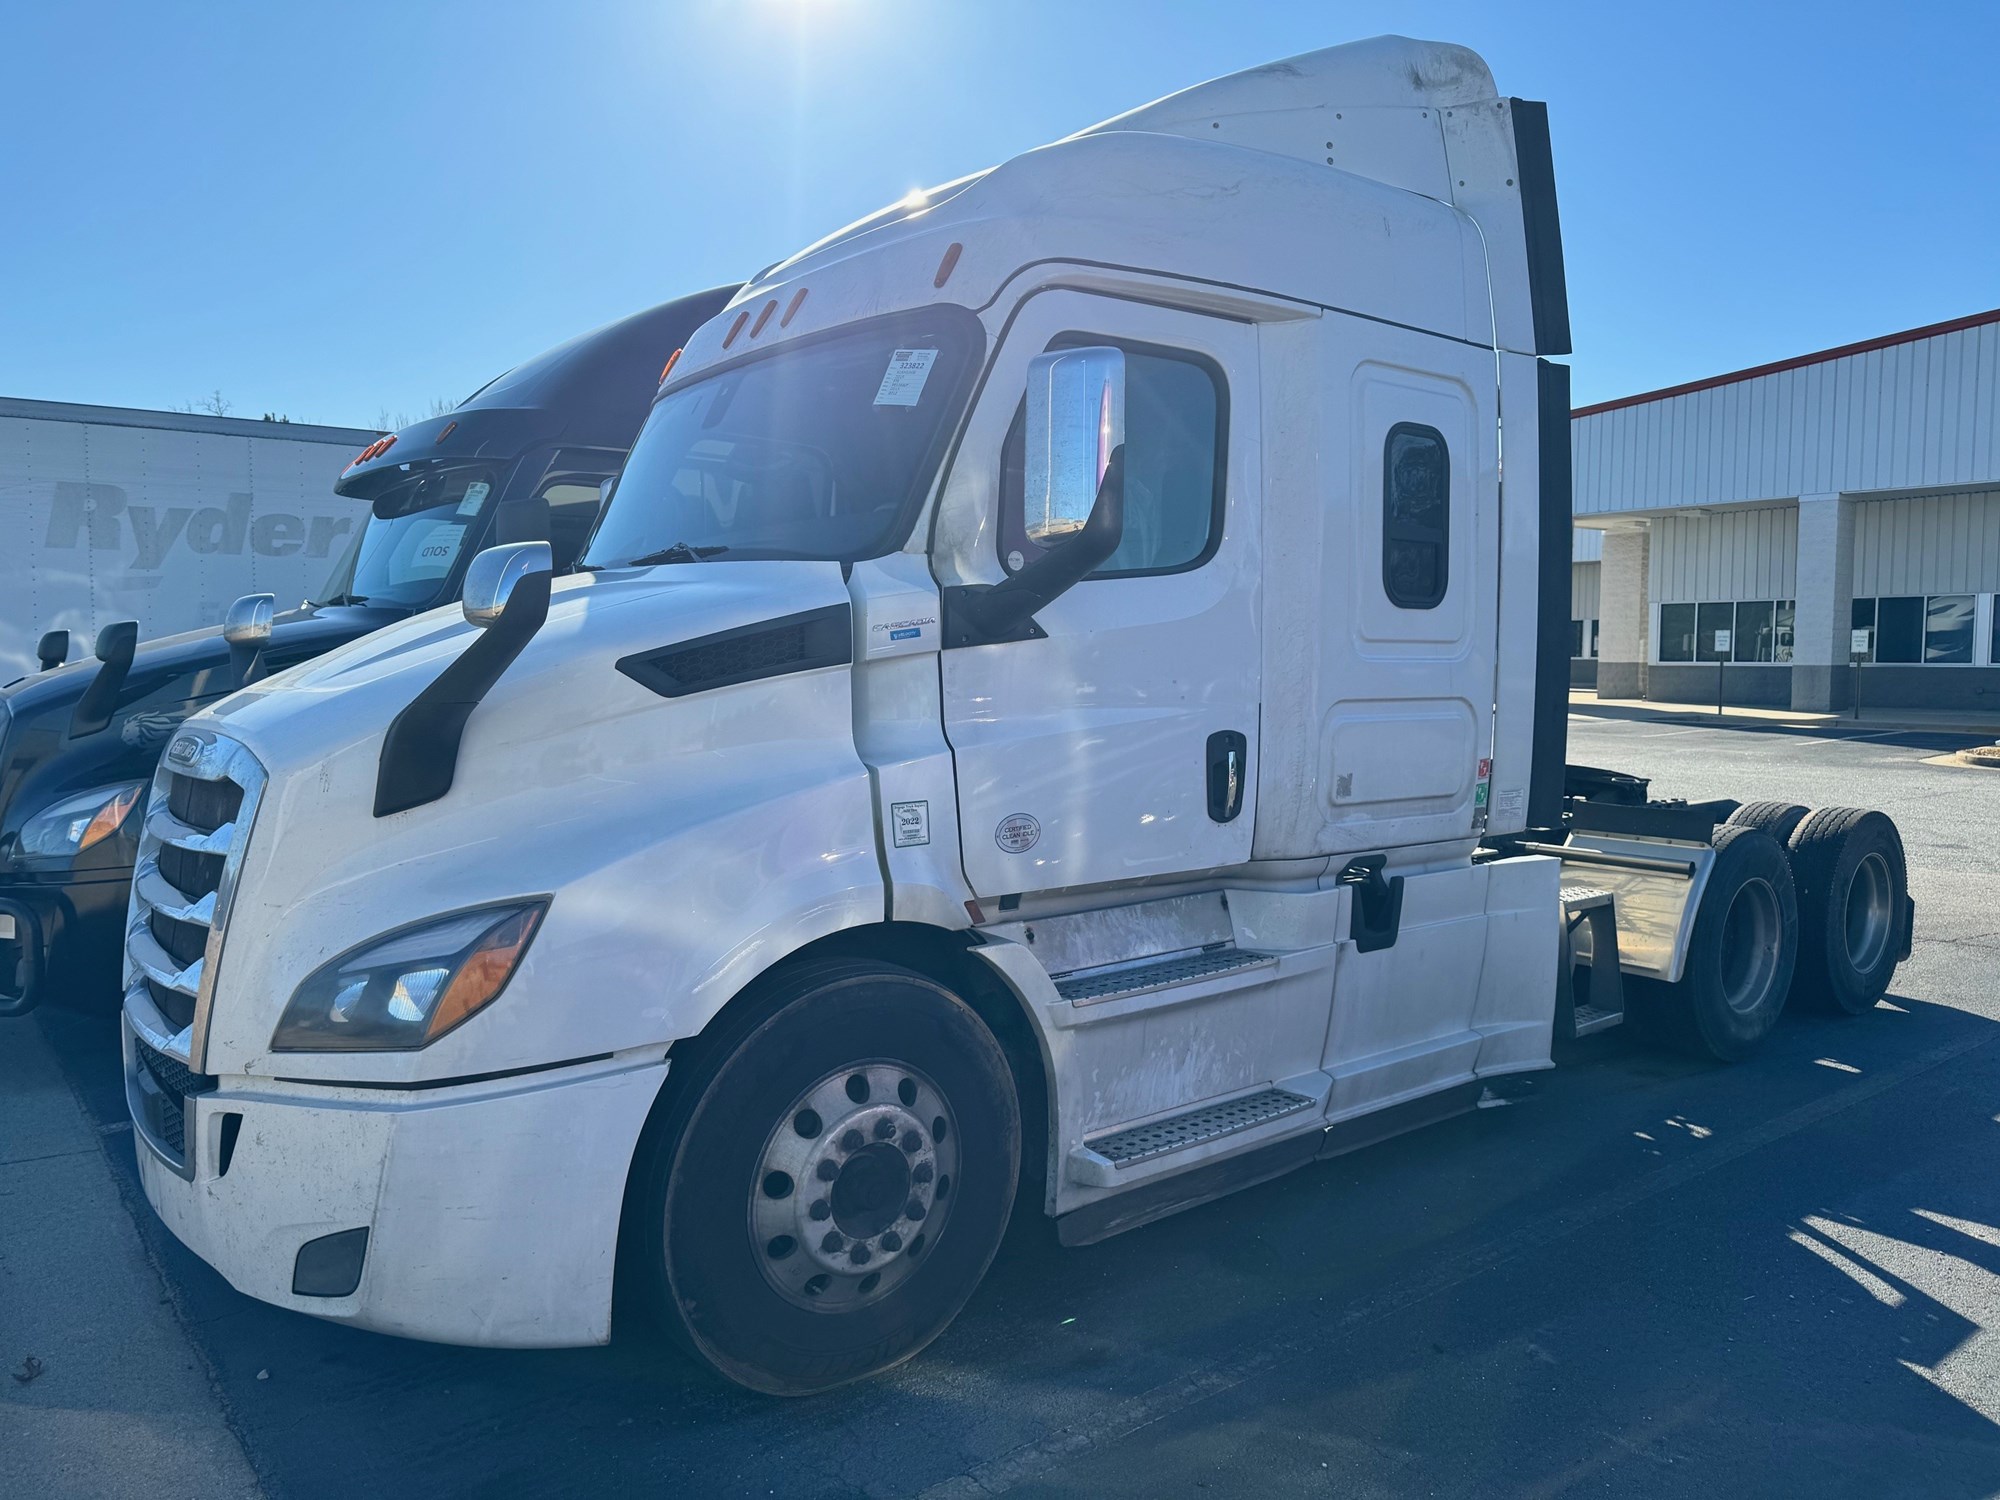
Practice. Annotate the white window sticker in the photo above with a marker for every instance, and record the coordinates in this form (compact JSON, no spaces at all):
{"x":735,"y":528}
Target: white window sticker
{"x":913,"y":823}
{"x":903,"y":381}
{"x":474,"y":493}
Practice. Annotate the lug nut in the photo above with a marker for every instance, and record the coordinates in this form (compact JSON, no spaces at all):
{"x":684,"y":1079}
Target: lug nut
{"x":892,"y":1242}
{"x":912,"y":1143}
{"x":860,"y":1256}
{"x":821,"y":1209}
{"x":921,"y":1172}
{"x":852,"y":1141}
{"x":826,"y":1171}
{"x":834,"y":1242}
{"x":884,"y":1128}
{"x":914,"y":1210}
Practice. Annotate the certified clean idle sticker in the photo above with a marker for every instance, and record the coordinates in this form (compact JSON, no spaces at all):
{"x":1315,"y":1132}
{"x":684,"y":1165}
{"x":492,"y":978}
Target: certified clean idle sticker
{"x":910,"y":823}
{"x":1017,"y":833}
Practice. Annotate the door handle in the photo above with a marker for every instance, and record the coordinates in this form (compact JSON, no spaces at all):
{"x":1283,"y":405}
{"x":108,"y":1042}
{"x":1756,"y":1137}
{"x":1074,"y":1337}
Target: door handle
{"x":1228,"y":765}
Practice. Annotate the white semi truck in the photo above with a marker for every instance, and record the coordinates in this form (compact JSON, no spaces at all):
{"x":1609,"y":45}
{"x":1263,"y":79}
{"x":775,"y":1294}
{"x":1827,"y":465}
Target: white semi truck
{"x":1067,"y":698}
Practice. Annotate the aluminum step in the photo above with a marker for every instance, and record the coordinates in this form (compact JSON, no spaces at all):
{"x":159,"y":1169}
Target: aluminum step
{"x":1207,"y":1122}
{"x":1590,"y":1018}
{"x":1092,"y":985}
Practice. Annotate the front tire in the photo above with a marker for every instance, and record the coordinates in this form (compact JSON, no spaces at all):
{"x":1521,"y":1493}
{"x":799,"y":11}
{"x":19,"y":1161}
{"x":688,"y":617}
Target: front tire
{"x":823,"y":1194}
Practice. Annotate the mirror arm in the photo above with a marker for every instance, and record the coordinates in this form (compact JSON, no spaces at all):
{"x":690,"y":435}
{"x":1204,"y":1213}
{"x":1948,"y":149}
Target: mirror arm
{"x":979,"y":614}
{"x":115,"y":645}
{"x":420,"y":751}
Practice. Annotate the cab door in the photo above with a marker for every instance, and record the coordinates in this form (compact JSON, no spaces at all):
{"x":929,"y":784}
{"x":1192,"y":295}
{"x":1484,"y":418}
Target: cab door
{"x":1118,"y":744}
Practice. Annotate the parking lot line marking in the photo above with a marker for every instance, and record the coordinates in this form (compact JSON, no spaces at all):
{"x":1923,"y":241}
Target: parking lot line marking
{"x":998,"y":1475}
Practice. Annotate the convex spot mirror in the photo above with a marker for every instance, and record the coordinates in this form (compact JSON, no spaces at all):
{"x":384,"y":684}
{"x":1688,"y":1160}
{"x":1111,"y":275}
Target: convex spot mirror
{"x":495,"y":573}
{"x":1075,"y":422}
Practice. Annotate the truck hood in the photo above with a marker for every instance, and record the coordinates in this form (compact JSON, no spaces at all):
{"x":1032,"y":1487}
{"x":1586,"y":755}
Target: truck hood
{"x":565,"y":679}
{"x":573,"y":782}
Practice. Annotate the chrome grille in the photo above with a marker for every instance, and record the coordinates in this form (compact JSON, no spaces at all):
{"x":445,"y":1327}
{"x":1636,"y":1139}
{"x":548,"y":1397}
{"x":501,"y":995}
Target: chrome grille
{"x":204,"y":799}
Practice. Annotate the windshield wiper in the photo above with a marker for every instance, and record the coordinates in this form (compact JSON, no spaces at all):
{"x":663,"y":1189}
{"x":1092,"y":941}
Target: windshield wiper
{"x":341,"y":599}
{"x":680,"y":552}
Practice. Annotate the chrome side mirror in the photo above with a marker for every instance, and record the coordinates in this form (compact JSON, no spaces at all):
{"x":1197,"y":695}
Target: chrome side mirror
{"x":1075,"y":422}
{"x":495,"y":573}
{"x":248,"y":622}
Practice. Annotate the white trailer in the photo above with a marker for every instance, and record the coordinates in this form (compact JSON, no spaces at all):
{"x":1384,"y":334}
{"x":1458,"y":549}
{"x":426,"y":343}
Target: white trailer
{"x":1068,"y":696}
{"x":164,"y":517}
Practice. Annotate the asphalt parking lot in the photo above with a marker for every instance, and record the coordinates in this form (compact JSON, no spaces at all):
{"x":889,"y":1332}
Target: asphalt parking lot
{"x":1644,"y":1276}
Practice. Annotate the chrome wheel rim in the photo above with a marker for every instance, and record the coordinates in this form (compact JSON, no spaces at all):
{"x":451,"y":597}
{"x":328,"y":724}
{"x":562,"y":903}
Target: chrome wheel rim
{"x":1750,"y":946}
{"x":853,"y":1186}
{"x":1868,"y":919}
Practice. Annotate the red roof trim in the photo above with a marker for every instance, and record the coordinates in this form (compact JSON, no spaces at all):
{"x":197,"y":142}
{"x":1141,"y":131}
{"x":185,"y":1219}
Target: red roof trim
{"x":1928,"y":331}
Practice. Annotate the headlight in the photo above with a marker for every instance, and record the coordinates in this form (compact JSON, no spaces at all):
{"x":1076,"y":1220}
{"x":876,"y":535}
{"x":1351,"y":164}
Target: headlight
{"x":74,"y":824}
{"x":407,"y":989}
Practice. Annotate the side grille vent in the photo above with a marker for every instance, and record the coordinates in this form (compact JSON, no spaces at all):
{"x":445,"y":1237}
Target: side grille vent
{"x":795,"y":643}
{"x":160,"y":1100}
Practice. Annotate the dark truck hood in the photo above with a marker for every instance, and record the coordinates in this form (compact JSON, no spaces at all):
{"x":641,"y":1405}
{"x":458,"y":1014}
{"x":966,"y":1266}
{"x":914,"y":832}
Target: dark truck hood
{"x":171,"y":677}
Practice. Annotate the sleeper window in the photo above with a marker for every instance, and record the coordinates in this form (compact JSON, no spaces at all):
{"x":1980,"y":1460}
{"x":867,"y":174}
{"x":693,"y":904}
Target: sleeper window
{"x":1174,"y":425}
{"x":1416,"y":516}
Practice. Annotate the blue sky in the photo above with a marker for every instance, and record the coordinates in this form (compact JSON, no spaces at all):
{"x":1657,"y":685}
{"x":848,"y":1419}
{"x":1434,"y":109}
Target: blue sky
{"x":336,"y":211}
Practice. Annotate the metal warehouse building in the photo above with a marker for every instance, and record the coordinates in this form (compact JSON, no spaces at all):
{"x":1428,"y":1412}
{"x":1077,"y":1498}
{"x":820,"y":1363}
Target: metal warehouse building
{"x":1765,"y":519}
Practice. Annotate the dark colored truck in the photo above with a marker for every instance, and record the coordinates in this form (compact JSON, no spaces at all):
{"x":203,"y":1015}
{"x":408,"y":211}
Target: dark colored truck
{"x":522,"y":458}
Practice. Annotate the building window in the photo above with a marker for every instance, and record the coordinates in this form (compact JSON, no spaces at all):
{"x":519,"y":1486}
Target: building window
{"x":1948,"y":629}
{"x":1713,"y":623}
{"x":1676,"y":632}
{"x":1993,"y":646}
{"x":1755,"y":635}
{"x":1759,"y":630}
{"x":1416,"y":516}
{"x":1582,"y":638}
{"x":1912,"y":629}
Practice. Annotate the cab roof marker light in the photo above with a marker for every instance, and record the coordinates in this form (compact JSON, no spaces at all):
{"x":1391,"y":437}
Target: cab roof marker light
{"x":446,"y":431}
{"x":792,"y":307}
{"x":668,"y":368}
{"x":763,"y":317}
{"x":948,"y":264}
{"x":736,"y":328}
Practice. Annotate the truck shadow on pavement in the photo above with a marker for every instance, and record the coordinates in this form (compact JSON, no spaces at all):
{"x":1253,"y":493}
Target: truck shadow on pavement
{"x":1645,"y":1274}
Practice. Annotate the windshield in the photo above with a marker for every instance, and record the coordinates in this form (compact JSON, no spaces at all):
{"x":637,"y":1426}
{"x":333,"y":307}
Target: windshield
{"x":819,"y":450}
{"x":414,"y":535}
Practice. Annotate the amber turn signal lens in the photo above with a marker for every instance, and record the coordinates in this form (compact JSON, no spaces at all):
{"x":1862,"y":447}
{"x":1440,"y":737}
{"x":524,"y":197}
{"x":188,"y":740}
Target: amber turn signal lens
{"x":485,"y":971}
{"x":109,"y":819}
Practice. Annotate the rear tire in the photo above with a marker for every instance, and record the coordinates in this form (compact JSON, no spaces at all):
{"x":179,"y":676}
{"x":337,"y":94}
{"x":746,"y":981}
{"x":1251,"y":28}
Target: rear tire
{"x":1740,"y":958}
{"x":1778,"y":819}
{"x":1853,"y":896}
{"x":818,"y":1199}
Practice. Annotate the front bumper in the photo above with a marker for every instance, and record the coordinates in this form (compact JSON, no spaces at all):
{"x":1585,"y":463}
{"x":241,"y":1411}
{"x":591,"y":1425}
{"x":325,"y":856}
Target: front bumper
{"x":491,"y":1209}
{"x":62,"y":941}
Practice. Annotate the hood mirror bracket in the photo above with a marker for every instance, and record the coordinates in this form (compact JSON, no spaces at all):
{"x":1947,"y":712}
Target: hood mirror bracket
{"x":115,"y":645}
{"x":420,"y":751}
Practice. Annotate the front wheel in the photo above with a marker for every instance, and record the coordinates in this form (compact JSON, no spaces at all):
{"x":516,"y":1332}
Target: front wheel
{"x":819,"y":1200}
